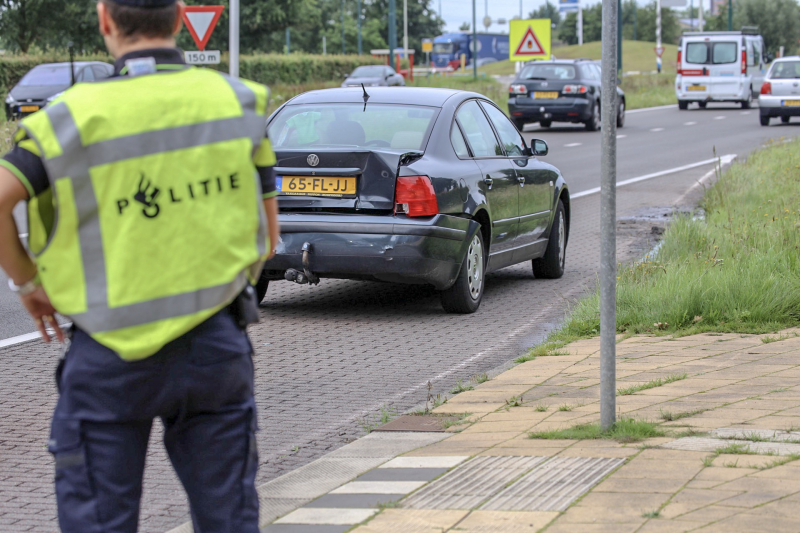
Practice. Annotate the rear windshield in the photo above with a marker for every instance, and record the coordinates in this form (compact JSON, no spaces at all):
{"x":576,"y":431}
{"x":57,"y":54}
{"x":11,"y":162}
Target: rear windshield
{"x":44,"y":75}
{"x":548,"y":72}
{"x":368,"y":72}
{"x":711,"y":53}
{"x":785,"y":70}
{"x":396,"y":127}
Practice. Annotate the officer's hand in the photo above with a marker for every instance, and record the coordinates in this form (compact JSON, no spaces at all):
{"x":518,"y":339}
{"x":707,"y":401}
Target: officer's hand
{"x":38,"y":305}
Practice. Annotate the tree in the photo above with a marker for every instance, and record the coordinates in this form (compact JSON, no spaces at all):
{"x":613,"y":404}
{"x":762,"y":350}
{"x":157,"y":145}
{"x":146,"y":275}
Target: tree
{"x":546,"y":11}
{"x":645,"y":24}
{"x":423,"y":22}
{"x":778,"y":22}
{"x":22,"y":22}
{"x":465,"y":26}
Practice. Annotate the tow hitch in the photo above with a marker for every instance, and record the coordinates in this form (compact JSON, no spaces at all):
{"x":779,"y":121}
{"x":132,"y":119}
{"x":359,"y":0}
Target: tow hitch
{"x":306,"y":276}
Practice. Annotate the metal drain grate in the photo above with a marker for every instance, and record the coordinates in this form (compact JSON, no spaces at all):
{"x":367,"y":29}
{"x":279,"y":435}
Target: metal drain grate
{"x":473,"y":482}
{"x":554,"y":485}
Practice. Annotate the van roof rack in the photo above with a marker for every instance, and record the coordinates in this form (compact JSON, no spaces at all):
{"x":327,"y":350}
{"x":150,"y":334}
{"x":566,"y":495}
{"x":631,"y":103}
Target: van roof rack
{"x":746,"y":30}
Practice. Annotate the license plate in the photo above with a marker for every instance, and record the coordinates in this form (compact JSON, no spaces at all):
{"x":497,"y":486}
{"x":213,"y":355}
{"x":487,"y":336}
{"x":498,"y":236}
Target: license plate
{"x":337,"y":187}
{"x":28,"y":108}
{"x":546,"y":95}
{"x":791,"y":103}
{"x":696,"y":88}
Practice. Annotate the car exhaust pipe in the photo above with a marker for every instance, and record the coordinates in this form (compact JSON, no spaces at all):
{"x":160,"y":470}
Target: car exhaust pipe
{"x":306,"y":276}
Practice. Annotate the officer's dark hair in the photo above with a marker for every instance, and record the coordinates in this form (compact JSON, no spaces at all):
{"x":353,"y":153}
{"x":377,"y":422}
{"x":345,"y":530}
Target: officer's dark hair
{"x":152,"y":22}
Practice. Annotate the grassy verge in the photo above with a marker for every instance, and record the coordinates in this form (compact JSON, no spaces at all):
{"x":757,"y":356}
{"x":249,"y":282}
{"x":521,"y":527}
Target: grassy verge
{"x":7,"y":130}
{"x":486,"y":86}
{"x":736,"y":270}
{"x":625,"y":430}
{"x":649,"y":90}
{"x":627,"y":391}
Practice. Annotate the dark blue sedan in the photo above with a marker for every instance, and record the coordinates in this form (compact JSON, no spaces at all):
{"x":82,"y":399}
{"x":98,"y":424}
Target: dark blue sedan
{"x":412,"y":185}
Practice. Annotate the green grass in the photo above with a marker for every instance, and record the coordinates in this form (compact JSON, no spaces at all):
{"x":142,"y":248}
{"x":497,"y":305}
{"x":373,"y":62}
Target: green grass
{"x":650,"y":384}
{"x":542,"y":350}
{"x":649,"y":90}
{"x":669,"y":416}
{"x":7,"y":130}
{"x":541,"y":408}
{"x":767,"y":339}
{"x":565,"y":408}
{"x":736,"y":268}
{"x":460,"y":387}
{"x":651,"y":514}
{"x":486,"y":86}
{"x":625,"y":430}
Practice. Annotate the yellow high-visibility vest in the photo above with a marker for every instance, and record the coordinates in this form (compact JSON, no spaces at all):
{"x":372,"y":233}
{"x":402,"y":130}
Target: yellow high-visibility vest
{"x":154,"y":218}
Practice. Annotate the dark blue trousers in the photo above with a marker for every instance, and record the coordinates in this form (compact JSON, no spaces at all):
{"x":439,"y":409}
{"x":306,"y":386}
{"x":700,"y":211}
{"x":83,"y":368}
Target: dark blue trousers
{"x":201,"y":386}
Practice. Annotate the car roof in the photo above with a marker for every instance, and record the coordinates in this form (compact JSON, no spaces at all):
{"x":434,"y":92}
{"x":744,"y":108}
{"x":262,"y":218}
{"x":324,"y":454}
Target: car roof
{"x":786,"y":58}
{"x":424,"y":96}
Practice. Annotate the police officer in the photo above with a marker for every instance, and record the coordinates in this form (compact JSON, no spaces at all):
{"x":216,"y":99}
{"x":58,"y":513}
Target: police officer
{"x":151,"y":210}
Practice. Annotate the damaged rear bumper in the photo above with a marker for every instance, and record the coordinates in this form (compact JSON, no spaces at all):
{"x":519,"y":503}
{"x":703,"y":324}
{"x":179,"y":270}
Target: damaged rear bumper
{"x":386,"y":248}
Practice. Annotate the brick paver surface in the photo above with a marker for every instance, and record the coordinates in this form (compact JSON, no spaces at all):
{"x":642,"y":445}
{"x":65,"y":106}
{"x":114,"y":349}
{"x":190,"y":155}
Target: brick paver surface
{"x":740,"y":392}
{"x":327,"y":358}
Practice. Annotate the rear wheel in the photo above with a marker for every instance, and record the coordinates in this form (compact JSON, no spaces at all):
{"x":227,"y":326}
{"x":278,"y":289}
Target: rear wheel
{"x":764,"y":120}
{"x":746,"y":103}
{"x":262,"y":286}
{"x":545,"y":123}
{"x":593,"y":124}
{"x":785,"y":120}
{"x":519,"y":123}
{"x":467,"y":292}
{"x":702,"y":104}
{"x":683,"y":104}
{"x":551,"y":265}
{"x":621,"y":114}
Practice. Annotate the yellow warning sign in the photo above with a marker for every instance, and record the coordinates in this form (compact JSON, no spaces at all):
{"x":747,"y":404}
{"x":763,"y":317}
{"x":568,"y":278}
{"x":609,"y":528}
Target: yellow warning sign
{"x":529,"y":39}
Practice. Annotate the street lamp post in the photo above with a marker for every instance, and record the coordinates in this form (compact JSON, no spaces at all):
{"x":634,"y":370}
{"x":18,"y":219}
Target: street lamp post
{"x":392,"y":33}
{"x":474,"y":49}
{"x":233,"y":44}
{"x":359,"y":27}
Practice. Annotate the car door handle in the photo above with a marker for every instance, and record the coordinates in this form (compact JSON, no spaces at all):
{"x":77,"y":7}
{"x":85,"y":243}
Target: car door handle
{"x":521,"y":181}
{"x":488,"y":181}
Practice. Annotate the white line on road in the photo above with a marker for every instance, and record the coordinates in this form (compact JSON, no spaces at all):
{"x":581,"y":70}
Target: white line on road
{"x":656,"y":108}
{"x":745,"y":112}
{"x":725,"y":159}
{"x":621,"y":136}
{"x":11,"y":341}
{"x":689,"y":123}
{"x":720,"y":117}
{"x":657,"y":129}
{"x":572,"y":145}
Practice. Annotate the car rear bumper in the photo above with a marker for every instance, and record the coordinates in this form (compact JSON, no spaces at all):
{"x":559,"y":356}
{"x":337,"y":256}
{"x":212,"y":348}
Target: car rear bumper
{"x":774,"y":106}
{"x":716,"y":89}
{"x":386,"y":248}
{"x":561,"y":110}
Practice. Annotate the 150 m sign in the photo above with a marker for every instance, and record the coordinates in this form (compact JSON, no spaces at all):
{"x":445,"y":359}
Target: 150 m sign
{"x":209,"y":57}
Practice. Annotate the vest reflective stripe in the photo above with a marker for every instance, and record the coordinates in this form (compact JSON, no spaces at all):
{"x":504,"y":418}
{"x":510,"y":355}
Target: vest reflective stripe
{"x":75,"y":163}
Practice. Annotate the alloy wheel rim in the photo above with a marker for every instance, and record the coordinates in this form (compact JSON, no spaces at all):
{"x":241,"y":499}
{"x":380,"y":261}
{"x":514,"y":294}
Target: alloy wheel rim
{"x":621,"y":112}
{"x":561,"y":240}
{"x":475,"y":267}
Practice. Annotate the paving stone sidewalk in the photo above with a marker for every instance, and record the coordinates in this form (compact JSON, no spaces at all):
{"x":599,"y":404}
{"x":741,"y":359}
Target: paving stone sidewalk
{"x":729,"y":460}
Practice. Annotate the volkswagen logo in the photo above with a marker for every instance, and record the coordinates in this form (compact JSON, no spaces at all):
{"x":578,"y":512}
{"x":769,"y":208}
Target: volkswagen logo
{"x":313,"y":160}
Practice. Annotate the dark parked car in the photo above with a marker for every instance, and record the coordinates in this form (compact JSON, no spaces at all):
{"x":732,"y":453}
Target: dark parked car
{"x":44,"y":82}
{"x":374,"y":76}
{"x":414,"y":185}
{"x":563,"y":90}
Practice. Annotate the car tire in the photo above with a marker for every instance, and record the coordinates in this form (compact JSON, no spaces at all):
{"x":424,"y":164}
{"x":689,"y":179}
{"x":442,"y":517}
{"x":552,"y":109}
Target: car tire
{"x":764,"y":120}
{"x":465,"y":295}
{"x":683,"y":104}
{"x":262,"y":286}
{"x":551,"y":264}
{"x":545,"y":123}
{"x":747,"y":103}
{"x":785,"y":120}
{"x":593,"y":124}
{"x":520,"y":124}
{"x":621,"y":114}
{"x":702,"y":105}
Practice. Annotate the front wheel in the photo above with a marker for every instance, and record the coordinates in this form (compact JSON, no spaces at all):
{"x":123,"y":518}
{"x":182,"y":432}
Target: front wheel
{"x":519,"y":123}
{"x":551,"y":265}
{"x":621,"y":114}
{"x":467,"y":292}
{"x":593,"y":124}
{"x":785,"y":120}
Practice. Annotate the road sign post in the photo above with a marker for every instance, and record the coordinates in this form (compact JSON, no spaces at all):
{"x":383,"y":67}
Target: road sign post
{"x":233,"y":45}
{"x":474,"y":42}
{"x":608,"y":219}
{"x":201,"y":21}
{"x":658,"y":35}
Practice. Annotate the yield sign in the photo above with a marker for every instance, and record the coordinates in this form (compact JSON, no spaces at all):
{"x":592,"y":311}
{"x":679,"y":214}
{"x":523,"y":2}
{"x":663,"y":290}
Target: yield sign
{"x":659,"y":51}
{"x":530,"y":45}
{"x":201,"y":21}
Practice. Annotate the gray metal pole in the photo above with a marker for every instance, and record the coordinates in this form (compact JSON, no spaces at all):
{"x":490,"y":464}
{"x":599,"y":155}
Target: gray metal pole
{"x":233,"y":46}
{"x":730,"y":15}
{"x":474,"y":49}
{"x":405,"y":30}
{"x":343,"y":49}
{"x":658,"y":34}
{"x":288,"y":42}
{"x":520,"y":10}
{"x":619,"y":35}
{"x":359,"y":27}
{"x":608,"y":218}
{"x":392,"y":33}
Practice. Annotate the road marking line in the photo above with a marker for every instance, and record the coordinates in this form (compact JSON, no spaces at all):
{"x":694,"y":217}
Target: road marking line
{"x":656,"y":108}
{"x":21,"y":339}
{"x":657,"y":129}
{"x":621,"y":136}
{"x":689,"y":123}
{"x":724,"y":159}
{"x":572,"y":145}
{"x":745,"y":112}
{"x":721,"y":117}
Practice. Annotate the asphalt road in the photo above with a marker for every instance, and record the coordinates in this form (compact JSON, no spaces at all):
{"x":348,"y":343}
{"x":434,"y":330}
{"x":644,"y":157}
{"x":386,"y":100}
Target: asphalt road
{"x":328,"y":358}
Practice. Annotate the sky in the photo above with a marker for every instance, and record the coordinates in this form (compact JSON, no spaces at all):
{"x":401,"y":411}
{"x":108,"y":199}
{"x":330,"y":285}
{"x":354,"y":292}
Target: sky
{"x":456,"y":12}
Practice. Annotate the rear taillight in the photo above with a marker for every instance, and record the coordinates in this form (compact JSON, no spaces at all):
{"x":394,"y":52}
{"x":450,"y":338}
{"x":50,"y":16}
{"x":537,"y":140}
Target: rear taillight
{"x":680,"y":55}
{"x":744,"y":62}
{"x":518,"y":89}
{"x":766,"y":88}
{"x":574,"y":89}
{"x":414,"y":196}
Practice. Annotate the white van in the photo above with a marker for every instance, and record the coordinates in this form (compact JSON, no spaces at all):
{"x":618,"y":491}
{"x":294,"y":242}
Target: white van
{"x":719,"y":66}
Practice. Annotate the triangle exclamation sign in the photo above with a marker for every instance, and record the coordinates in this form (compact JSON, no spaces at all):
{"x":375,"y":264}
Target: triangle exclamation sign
{"x":530,"y":45}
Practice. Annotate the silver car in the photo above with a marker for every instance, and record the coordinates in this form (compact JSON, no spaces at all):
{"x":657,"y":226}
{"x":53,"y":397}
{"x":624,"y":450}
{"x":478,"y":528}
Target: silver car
{"x":780,"y":93}
{"x":374,"y":76}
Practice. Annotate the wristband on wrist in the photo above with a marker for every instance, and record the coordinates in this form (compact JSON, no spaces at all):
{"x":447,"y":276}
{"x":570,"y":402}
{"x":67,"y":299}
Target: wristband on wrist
{"x":27,"y":287}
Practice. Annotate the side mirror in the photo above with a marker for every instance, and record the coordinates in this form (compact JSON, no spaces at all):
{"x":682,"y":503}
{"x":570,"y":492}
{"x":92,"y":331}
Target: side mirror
{"x":388,"y":76}
{"x":539,"y":147}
